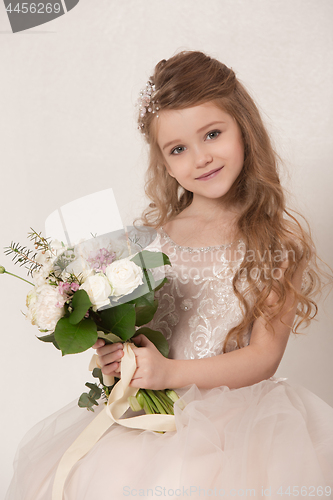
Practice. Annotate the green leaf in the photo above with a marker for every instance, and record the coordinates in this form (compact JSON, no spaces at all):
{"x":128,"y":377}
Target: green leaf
{"x":144,"y":300}
{"x":149,"y":260}
{"x":49,"y":338}
{"x":97,"y":373}
{"x":120,"y":320}
{"x":161,"y":283}
{"x":80,"y":305}
{"x":110,"y":338}
{"x":85,"y":401}
{"x":75,"y":338}
{"x":146,"y":313}
{"x":95,"y":391}
{"x":145,"y":308}
{"x":157,"y":338}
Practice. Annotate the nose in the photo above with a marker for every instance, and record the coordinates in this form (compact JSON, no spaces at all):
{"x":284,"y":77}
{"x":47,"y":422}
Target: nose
{"x":203,"y":157}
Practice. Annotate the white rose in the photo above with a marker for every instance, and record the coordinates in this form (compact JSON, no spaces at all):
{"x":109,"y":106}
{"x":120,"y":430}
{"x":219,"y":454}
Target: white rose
{"x":125,"y":276}
{"x":98,"y":289}
{"x":45,"y":307}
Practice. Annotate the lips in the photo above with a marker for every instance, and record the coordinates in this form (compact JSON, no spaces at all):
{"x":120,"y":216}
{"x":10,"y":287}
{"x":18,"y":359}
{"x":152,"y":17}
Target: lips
{"x":209,"y":173}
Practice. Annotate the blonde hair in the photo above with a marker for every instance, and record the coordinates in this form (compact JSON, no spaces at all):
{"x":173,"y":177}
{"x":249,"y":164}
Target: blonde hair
{"x":193,"y":78}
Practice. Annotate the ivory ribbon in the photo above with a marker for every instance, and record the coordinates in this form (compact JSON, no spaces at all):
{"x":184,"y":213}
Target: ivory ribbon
{"x":116,"y":406}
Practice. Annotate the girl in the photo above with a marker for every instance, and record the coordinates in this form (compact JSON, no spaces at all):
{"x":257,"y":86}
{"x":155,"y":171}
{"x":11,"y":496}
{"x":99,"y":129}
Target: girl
{"x":243,"y":277}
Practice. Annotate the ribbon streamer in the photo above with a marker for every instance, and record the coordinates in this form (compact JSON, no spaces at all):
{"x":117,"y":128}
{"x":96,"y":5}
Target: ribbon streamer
{"x":116,"y":406}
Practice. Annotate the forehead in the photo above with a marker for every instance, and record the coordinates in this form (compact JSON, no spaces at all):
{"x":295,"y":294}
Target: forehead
{"x":172,"y":122}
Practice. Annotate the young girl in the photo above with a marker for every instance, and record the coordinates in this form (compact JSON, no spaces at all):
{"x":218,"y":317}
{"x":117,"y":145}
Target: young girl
{"x":243,"y":277}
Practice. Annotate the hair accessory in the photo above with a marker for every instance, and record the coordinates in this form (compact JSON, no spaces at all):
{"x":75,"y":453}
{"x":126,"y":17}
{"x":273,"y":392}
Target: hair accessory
{"x":147,"y":103}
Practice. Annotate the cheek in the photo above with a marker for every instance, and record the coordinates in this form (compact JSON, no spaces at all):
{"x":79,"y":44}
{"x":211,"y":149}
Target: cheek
{"x":239,"y":152}
{"x":234,"y":152}
{"x":168,"y":169}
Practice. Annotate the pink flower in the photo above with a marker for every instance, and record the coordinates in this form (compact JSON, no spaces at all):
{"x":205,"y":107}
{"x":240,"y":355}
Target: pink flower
{"x":75,"y":287}
{"x":101,"y":259}
{"x":64,"y":287}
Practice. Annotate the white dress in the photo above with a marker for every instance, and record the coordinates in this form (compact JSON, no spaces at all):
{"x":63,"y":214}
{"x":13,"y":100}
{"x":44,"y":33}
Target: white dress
{"x":272,"y":439}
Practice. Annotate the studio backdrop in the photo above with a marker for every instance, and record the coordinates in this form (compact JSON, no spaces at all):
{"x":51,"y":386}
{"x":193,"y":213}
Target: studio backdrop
{"x":68,"y":90}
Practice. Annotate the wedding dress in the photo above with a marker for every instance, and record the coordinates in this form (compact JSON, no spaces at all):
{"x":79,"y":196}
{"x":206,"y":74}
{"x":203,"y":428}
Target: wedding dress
{"x":271,"y":439}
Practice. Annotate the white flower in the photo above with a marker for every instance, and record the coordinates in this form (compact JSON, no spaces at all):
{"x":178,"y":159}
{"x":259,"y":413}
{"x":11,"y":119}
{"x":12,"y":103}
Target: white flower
{"x":80,"y":268}
{"x":124,"y":276}
{"x":40,"y":276}
{"x":57,"y":247}
{"x":98,"y":289}
{"x":31,"y":302}
{"x":45,"y":306}
{"x":42,"y":258}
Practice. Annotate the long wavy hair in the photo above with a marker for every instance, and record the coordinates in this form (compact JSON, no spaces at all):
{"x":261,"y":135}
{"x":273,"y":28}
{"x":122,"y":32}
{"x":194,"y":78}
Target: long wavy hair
{"x":267,"y":228}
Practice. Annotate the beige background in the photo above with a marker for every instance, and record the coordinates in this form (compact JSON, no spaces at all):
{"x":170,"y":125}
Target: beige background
{"x":67,"y":129}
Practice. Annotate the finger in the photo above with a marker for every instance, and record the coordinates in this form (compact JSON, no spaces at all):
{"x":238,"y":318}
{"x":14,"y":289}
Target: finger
{"x":111,"y":369}
{"x":137,"y":339}
{"x":98,"y":343}
{"x":112,"y":357}
{"x":109,"y":348}
{"x":141,"y":340}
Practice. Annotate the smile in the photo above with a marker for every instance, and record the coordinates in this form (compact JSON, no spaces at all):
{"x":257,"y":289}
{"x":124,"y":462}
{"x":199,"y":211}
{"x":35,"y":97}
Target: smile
{"x":209,"y":175}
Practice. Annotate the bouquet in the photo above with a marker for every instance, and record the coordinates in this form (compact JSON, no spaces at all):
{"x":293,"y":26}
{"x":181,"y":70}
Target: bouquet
{"x":91,"y":290}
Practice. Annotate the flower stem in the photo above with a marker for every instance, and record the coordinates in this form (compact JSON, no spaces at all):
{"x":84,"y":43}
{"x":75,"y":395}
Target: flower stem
{"x":19,"y":277}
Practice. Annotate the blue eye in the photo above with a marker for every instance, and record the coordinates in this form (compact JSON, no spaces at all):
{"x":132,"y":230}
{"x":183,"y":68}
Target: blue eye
{"x":213,"y":134}
{"x":177,"y":150}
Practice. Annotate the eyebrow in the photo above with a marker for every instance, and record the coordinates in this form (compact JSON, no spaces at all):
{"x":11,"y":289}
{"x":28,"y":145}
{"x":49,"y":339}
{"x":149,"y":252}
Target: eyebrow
{"x":198,"y":131}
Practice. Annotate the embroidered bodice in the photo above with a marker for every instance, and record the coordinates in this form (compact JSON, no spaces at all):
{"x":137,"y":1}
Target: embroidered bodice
{"x":197,"y":307}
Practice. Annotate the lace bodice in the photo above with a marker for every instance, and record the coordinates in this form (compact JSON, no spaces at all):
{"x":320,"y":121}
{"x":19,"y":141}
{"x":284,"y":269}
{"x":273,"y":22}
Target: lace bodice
{"x":197,"y":307}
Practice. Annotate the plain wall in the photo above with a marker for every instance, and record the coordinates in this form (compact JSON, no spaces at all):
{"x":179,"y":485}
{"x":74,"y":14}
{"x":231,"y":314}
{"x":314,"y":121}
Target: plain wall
{"x":67,"y":129}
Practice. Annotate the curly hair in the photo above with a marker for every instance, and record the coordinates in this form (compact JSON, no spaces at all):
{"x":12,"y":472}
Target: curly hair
{"x":267,"y":227}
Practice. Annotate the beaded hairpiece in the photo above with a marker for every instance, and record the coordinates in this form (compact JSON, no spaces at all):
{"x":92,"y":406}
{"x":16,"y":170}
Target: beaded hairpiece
{"x":147,"y":103}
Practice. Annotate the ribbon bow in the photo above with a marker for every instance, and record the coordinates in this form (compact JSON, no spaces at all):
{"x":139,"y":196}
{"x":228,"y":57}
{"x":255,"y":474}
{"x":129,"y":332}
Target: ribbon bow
{"x":116,"y":406}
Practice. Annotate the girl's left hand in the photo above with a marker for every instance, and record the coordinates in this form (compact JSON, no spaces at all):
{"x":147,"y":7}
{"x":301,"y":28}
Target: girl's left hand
{"x":152,"y":366}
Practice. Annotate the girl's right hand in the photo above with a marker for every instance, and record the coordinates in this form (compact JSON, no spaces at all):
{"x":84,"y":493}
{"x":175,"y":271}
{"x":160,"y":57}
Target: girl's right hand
{"x":109,"y":357}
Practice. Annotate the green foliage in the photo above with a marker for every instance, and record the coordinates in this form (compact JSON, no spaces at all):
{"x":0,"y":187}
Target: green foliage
{"x":150,"y":260}
{"x":119,"y":320}
{"x":157,"y":338}
{"x":161,"y":283}
{"x":90,"y":399}
{"x":110,"y":338}
{"x":97,"y":373}
{"x":75,"y":338}
{"x":49,"y":338}
{"x":145,"y":308}
{"x":23,"y":256}
{"x":39,"y":242}
{"x":80,"y":305}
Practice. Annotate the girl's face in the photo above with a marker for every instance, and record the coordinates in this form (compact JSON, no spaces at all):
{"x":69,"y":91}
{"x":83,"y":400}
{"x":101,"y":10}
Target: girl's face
{"x":202,"y":148}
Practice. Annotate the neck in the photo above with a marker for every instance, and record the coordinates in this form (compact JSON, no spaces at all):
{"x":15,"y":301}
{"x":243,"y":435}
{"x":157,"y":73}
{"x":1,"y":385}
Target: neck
{"x":212,"y":211}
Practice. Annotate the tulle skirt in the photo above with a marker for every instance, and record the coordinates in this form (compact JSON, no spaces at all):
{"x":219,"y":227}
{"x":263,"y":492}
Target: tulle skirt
{"x":271,"y":439}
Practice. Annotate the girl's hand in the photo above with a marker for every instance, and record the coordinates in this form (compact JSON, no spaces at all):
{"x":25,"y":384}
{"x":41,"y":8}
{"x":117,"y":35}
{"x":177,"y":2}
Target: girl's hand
{"x":152,"y":366}
{"x":109,"y":357}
